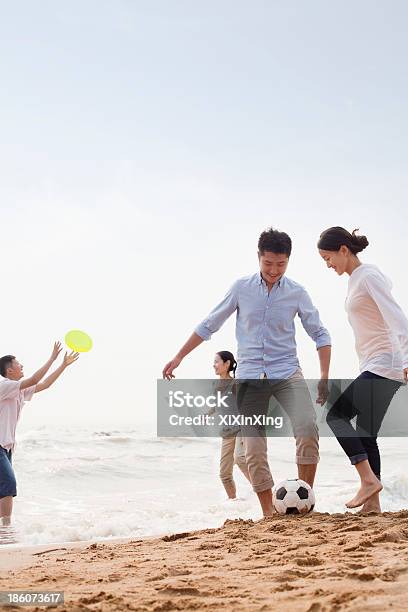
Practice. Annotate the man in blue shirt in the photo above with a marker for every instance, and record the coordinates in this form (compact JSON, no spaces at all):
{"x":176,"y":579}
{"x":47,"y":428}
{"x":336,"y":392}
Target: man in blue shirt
{"x":266,"y":304}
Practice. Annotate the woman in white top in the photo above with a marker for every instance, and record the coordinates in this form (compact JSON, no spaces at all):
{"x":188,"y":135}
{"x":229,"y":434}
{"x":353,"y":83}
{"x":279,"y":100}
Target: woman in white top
{"x":381,"y":339}
{"x":232,"y":448}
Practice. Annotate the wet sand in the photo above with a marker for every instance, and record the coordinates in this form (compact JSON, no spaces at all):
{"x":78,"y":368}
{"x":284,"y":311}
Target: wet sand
{"x":317,"y":562}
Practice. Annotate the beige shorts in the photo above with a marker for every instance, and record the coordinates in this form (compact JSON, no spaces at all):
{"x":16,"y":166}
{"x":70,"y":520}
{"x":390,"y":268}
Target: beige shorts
{"x":294,"y":397}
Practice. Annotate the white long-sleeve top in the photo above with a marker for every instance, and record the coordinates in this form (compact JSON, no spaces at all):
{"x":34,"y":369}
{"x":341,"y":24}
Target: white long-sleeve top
{"x":380,"y":326}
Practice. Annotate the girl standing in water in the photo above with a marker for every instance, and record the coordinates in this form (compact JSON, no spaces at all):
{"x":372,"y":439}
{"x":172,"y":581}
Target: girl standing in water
{"x":381,"y":339}
{"x":232,"y":448}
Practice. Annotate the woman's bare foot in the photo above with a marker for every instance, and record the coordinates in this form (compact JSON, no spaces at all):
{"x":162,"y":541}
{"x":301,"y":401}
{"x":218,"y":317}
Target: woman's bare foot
{"x":367,"y":490}
{"x":372,"y":504}
{"x":369,"y":507}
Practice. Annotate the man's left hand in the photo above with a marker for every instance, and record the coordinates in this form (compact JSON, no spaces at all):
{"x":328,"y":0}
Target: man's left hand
{"x":322,"y":391}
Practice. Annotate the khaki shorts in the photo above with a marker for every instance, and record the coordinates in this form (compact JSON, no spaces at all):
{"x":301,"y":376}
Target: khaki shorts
{"x":294,"y":397}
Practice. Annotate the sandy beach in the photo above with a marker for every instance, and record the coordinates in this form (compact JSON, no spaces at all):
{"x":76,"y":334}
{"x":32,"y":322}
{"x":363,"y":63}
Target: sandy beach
{"x":312,"y":563}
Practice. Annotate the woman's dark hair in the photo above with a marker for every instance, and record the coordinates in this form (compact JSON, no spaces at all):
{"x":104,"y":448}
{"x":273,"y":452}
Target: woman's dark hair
{"x":335,"y":237}
{"x":227,"y":356}
{"x":275,"y":242}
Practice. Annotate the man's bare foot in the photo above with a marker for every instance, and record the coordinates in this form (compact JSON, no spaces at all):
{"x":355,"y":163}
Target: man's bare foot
{"x":367,"y":490}
{"x":270,"y":512}
{"x":265,"y":499}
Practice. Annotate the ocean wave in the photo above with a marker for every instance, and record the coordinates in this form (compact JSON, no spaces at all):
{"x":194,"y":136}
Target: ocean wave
{"x":80,"y":484}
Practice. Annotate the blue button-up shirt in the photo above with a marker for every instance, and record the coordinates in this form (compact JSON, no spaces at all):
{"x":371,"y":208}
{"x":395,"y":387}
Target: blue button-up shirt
{"x":265,"y":328}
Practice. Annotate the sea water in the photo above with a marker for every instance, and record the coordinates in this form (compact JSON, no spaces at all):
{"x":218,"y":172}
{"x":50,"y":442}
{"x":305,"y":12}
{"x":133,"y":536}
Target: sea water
{"x":81,"y":483}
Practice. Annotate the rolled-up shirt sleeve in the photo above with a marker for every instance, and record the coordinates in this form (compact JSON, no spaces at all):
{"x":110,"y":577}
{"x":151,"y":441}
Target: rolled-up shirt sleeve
{"x":392,"y":313}
{"x":309,"y":315}
{"x":219,"y":314}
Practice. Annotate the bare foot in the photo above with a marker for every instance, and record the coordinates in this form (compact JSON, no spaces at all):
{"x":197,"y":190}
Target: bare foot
{"x":270,"y":513}
{"x":368,"y":507}
{"x":367,"y":490}
{"x":372,"y":504}
{"x":265,"y":499}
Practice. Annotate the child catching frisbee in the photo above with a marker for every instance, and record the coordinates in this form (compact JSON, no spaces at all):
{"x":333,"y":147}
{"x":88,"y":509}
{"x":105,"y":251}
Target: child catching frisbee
{"x":14,"y":391}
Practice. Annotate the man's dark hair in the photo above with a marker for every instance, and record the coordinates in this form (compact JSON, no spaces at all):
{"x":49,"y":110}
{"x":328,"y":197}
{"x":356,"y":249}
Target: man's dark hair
{"x":6,"y":362}
{"x":274,"y":241}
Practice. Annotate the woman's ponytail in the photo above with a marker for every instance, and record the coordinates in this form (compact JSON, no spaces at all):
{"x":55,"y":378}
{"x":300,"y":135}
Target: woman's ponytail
{"x":335,"y":237}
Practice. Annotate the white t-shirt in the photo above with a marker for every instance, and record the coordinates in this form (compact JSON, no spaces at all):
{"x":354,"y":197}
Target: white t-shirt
{"x":11,"y":403}
{"x":380,"y":326}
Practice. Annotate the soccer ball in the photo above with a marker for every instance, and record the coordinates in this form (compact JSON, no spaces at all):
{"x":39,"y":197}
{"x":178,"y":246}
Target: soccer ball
{"x":293,"y":497}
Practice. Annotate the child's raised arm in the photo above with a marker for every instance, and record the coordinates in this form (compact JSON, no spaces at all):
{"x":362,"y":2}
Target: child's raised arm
{"x":37,"y":376}
{"x":68,"y":360}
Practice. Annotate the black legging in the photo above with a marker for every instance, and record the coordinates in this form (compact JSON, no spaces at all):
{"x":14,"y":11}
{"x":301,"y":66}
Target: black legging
{"x":368,"y":397}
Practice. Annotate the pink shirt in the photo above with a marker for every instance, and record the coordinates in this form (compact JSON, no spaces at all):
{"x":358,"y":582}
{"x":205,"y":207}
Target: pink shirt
{"x":11,"y":403}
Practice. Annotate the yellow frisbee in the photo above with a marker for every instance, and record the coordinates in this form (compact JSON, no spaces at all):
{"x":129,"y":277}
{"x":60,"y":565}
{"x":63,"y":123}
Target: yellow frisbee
{"x":78,"y":341}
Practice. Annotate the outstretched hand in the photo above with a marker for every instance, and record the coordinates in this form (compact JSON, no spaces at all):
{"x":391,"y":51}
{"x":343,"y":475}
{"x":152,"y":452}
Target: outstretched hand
{"x":56,"y":350}
{"x":169,"y":367}
{"x":69,"y":359}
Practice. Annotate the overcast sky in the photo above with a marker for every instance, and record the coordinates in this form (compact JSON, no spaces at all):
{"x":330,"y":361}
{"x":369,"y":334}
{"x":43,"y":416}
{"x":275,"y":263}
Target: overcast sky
{"x":144,"y":147}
